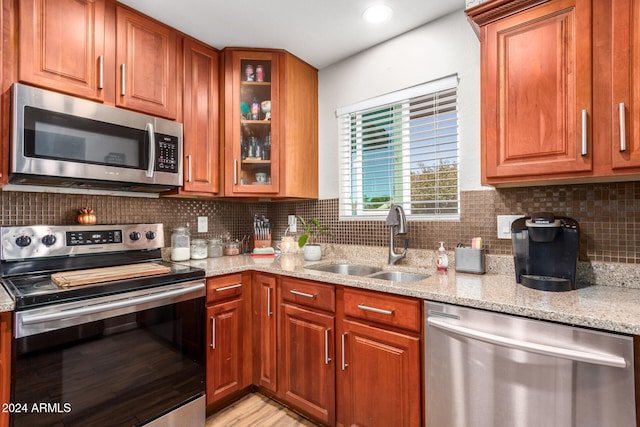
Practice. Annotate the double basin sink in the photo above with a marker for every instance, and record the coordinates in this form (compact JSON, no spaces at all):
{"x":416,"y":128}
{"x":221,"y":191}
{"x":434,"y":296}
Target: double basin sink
{"x":370,"y":272}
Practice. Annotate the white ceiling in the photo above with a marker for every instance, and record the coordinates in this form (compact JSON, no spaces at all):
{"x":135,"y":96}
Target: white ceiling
{"x":321,"y":32}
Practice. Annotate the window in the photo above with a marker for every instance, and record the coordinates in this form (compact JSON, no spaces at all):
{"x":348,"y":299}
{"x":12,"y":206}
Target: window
{"x":401,"y":148}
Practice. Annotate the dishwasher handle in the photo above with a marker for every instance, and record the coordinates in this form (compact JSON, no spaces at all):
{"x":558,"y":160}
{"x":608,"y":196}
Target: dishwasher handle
{"x":543,"y":349}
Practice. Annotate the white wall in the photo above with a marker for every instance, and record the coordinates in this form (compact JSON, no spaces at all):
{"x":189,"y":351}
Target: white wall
{"x":441,"y":48}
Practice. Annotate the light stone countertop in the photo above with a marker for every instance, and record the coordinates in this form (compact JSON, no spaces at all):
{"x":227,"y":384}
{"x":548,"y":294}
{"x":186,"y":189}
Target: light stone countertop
{"x":596,"y":305}
{"x":611,"y":308}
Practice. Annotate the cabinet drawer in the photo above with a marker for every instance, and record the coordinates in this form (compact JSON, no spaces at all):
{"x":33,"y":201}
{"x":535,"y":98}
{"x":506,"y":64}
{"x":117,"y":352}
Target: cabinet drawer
{"x":310,"y":294}
{"x":223,"y":288}
{"x":401,"y":312}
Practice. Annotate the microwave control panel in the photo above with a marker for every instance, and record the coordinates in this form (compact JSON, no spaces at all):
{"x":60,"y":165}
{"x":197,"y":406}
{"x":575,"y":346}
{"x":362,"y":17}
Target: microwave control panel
{"x":167,"y":153}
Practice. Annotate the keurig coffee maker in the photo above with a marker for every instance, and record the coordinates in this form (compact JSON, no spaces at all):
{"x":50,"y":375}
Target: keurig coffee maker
{"x":545,"y":251}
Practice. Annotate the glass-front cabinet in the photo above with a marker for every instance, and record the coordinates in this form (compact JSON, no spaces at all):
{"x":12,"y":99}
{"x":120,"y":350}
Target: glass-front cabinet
{"x":251,"y":122}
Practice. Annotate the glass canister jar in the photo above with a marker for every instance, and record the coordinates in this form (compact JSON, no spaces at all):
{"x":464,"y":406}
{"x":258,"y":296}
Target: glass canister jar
{"x":180,"y":244}
{"x":198,"y":249}
{"x":214,"y":248}
{"x":232,"y":248}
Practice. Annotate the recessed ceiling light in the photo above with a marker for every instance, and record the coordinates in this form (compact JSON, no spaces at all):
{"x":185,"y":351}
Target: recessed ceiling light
{"x":377,"y":13}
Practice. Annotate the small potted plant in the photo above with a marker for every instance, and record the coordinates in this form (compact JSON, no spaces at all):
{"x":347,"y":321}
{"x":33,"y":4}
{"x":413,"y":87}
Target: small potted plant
{"x":312,"y":229}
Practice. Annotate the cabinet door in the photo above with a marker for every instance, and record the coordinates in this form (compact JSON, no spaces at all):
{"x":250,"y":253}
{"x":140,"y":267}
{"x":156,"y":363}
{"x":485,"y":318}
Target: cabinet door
{"x":200,"y":112}
{"x":5,"y":364}
{"x":307,"y":377}
{"x":252,"y":117}
{"x":625,"y":81}
{"x":379,"y":377}
{"x":146,"y":57}
{"x":264,"y":321}
{"x":224,"y":350}
{"x":62,"y":45}
{"x":536,"y":93}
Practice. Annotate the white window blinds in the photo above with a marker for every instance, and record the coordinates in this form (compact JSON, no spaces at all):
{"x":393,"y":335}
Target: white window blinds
{"x":401,"y":148}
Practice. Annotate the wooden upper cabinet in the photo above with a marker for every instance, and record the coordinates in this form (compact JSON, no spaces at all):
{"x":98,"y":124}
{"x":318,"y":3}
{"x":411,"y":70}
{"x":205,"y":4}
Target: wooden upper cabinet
{"x":536,"y":93}
{"x":146,"y":59}
{"x":200,"y":118}
{"x":625,"y":85}
{"x":270,"y":124}
{"x":252,"y":117}
{"x":62,"y":45}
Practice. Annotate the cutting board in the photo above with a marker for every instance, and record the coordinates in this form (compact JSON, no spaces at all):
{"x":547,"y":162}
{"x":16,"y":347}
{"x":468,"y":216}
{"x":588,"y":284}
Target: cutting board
{"x":107,"y":274}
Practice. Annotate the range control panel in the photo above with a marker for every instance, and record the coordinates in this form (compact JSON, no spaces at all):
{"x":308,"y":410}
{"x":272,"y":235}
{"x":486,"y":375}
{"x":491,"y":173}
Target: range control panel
{"x":39,"y":241}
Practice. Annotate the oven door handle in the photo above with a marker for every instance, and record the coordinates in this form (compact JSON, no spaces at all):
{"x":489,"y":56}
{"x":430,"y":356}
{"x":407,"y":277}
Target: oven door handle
{"x":111,"y":305}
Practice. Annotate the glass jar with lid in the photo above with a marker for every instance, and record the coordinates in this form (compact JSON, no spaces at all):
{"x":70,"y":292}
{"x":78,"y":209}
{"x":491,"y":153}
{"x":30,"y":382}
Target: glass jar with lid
{"x":198,"y":249}
{"x":180,"y":244}
{"x":214,"y":248}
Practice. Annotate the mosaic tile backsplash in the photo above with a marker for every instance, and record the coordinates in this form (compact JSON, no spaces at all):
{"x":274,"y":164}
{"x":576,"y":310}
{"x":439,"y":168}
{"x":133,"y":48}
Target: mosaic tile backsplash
{"x":609,"y":217}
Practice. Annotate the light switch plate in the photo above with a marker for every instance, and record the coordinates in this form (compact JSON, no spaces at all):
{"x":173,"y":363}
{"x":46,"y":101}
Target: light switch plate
{"x":203,"y":224}
{"x":504,"y":225}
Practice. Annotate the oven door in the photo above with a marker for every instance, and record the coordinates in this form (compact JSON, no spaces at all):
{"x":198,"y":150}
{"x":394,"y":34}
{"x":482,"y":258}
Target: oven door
{"x":58,"y":136}
{"x":120,"y":360}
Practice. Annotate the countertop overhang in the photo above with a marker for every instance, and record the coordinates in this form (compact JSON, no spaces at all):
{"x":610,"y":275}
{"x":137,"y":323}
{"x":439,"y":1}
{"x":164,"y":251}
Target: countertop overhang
{"x":608,"y":308}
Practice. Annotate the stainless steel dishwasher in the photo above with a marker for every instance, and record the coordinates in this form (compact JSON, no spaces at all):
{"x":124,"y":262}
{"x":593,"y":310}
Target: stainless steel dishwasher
{"x":485,"y":369}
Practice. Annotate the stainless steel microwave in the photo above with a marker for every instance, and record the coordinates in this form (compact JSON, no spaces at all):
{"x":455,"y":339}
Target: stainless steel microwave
{"x":62,"y":140}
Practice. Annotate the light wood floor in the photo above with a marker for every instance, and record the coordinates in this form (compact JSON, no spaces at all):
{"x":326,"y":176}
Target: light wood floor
{"x":257,"y":410}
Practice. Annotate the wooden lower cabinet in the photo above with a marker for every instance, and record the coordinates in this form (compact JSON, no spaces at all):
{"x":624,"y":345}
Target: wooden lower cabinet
{"x":5,"y":364}
{"x":264,"y":331}
{"x":379,"y":382}
{"x":227,"y":344}
{"x":379,"y":375}
{"x":307,"y":377}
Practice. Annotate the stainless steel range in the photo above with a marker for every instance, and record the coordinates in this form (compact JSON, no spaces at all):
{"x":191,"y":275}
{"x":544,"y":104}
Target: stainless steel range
{"x":105,"y":332}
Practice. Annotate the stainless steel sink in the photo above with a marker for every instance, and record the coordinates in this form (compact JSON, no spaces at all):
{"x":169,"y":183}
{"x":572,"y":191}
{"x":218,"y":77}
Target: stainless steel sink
{"x":398,"y":276}
{"x":348,"y":269}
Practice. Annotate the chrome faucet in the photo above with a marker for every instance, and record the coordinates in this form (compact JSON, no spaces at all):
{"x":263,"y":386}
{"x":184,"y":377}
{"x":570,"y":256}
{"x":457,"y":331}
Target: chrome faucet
{"x":397,"y":223}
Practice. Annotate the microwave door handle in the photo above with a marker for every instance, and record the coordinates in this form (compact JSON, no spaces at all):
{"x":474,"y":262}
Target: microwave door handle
{"x":152,"y":150}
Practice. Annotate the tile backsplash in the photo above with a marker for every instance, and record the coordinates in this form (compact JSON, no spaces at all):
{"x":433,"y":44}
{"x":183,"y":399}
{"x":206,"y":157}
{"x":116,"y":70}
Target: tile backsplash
{"x":609,"y":216}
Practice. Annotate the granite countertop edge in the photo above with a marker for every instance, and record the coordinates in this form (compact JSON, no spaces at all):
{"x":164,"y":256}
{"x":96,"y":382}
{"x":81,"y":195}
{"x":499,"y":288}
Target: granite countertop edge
{"x":608,"y":308}
{"x":598,"y":306}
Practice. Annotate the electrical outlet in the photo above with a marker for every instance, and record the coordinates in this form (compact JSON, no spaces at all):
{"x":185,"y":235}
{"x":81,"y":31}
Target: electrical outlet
{"x":504,"y":225}
{"x":293,"y":223}
{"x":203,"y":224}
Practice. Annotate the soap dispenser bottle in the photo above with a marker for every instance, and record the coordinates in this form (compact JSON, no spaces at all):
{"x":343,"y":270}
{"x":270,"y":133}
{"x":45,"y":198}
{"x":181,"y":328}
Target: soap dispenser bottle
{"x":442,"y":260}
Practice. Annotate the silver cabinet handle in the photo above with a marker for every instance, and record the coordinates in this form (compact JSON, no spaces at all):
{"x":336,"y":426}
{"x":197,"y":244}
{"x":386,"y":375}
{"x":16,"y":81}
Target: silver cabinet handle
{"x":189,"y":168}
{"x":344,"y":362}
{"x":123,"y":80}
{"x":303,"y":294}
{"x":543,"y":349}
{"x":269,"y":312}
{"x":235,"y":172}
{"x":228,"y":288}
{"x":152,"y":150}
{"x":101,"y":72}
{"x":375,"y":310}
{"x":213,"y":333}
{"x":623,"y":128}
{"x":584,"y":132}
{"x":327,"y":359}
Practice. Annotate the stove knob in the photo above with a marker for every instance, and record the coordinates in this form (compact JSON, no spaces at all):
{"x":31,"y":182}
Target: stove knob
{"x":49,"y":240}
{"x":23,"y":241}
{"x":150,"y":235}
{"x":134,"y":235}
